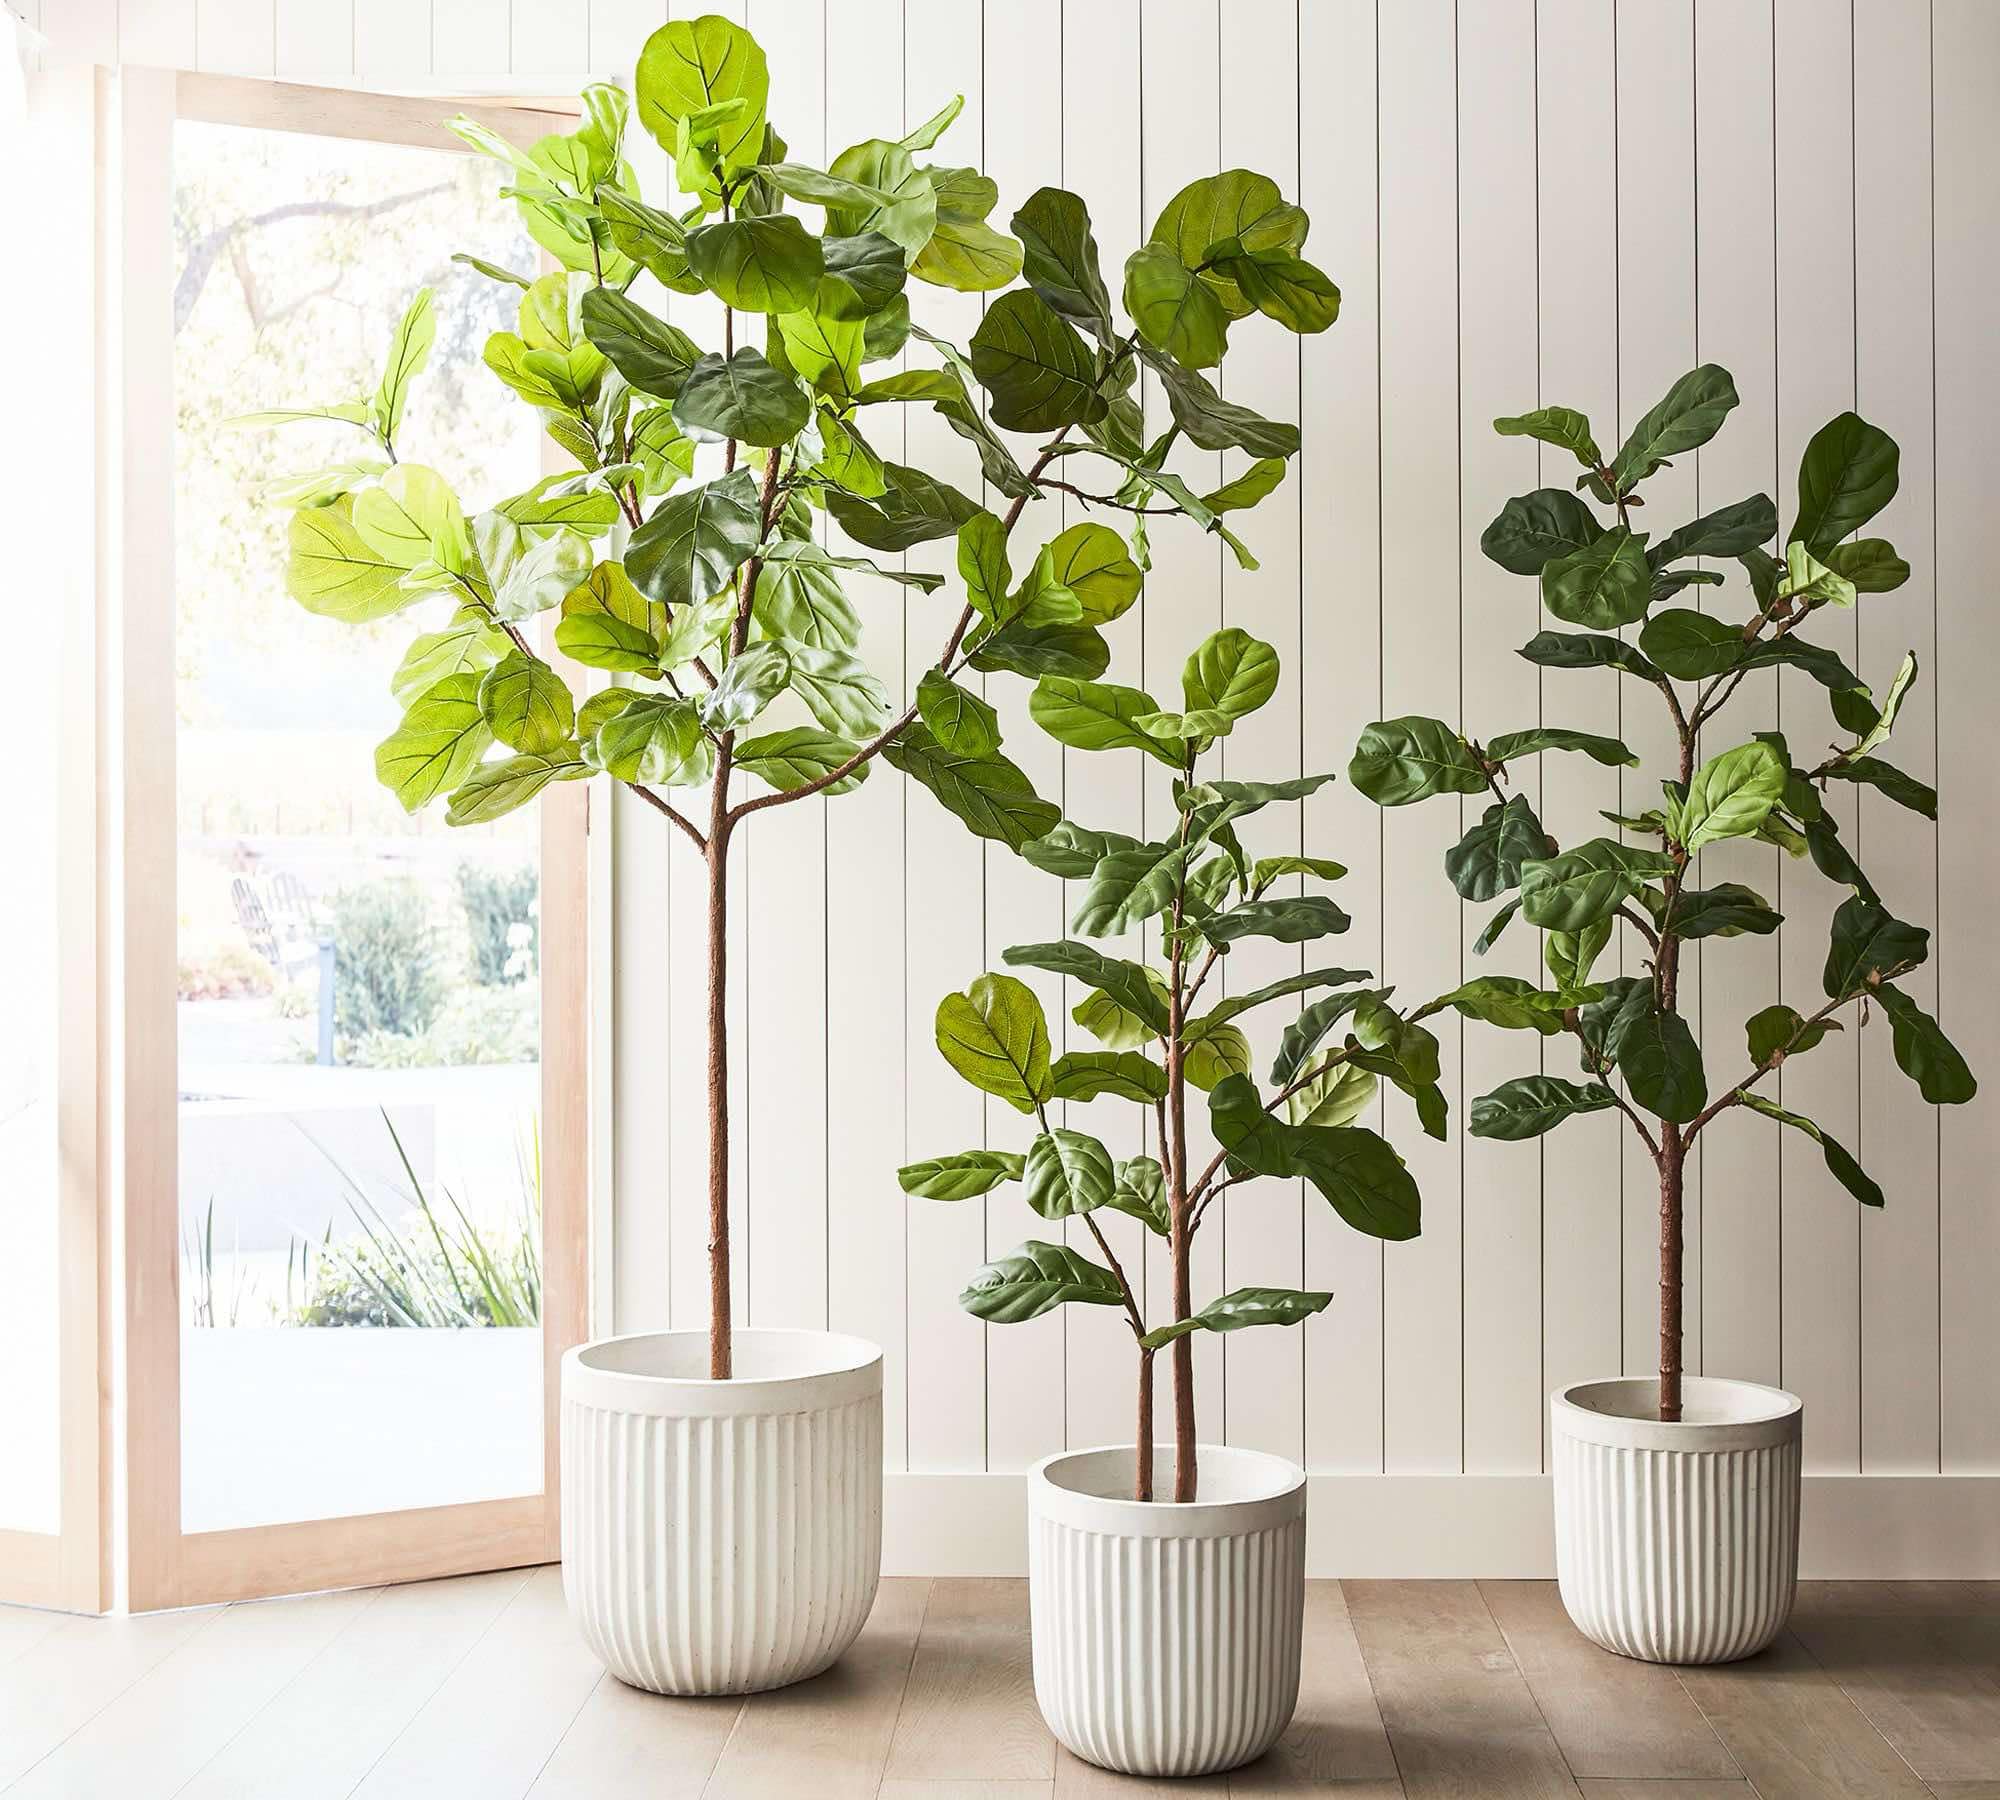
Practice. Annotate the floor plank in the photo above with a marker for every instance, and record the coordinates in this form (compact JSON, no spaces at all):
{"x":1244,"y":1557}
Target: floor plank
{"x":1793,"y":1733}
{"x":1598,"y":1788}
{"x":1611,"y":1716}
{"x":1925,"y":1675}
{"x":970,"y":1712}
{"x":1460,"y":1717}
{"x":162,"y":1728}
{"x":501,"y":1712}
{"x":323,"y":1733}
{"x":1337,"y":1733}
{"x":77,"y":1671}
{"x":967,"y":1790}
{"x":23,"y":1627}
{"x":1079,"y":1780}
{"x":1966,"y":1790}
{"x":828,"y":1738}
{"x":627,"y":1744}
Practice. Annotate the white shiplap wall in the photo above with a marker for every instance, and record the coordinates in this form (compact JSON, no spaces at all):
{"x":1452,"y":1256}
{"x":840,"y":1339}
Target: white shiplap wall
{"x":1523,"y":201}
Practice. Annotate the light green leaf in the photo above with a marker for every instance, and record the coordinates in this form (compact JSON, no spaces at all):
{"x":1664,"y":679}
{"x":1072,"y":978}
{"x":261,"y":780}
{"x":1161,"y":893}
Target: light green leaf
{"x":1245,"y":1306}
{"x":690,"y":65}
{"x":409,"y":350}
{"x":1230,"y":672}
{"x":996,"y":1036}
{"x":412,"y":517}
{"x":1581,"y":886}
{"x":1090,"y":715}
{"x":1123,"y":1074}
{"x":1093,"y":563}
{"x":962,"y":1177}
{"x":1561,"y":426}
{"x":1175,"y":310}
{"x":442,"y":736}
{"x":494,"y":789}
{"x":791,"y":758}
{"x":333,"y":571}
{"x":528,"y":568}
{"x":748,"y":685}
{"x":1731,"y":794}
{"x":526,"y":705}
{"x":958,"y":718}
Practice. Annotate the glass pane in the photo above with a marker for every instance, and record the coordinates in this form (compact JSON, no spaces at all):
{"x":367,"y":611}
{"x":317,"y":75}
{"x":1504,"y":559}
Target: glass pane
{"x":30,"y":1470}
{"x":358,"y":997}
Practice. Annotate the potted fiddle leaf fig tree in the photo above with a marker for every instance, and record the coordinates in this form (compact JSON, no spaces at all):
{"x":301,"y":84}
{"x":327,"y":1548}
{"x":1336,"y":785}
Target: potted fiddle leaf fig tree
{"x":685,"y":559}
{"x":1211,"y":1628}
{"x":1677,"y":1498}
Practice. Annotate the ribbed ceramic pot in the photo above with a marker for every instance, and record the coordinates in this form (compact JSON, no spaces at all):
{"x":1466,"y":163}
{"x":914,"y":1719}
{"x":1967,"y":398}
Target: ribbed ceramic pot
{"x":1166,"y":1638}
{"x":1677,"y":1543}
{"x":721,"y":1536}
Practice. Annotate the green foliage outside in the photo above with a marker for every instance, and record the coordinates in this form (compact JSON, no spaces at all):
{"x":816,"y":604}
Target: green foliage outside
{"x":388,"y":974}
{"x":502,"y":921}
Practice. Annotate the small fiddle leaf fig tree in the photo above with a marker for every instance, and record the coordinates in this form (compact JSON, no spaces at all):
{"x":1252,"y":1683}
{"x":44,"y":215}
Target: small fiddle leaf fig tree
{"x":1602,"y":577}
{"x":684,"y":556}
{"x":1159,"y":1039}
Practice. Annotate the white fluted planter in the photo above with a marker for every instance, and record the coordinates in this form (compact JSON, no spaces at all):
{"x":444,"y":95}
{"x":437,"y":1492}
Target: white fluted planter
{"x":1166,"y":1638}
{"x":720,"y":1537}
{"x":1677,"y":1543}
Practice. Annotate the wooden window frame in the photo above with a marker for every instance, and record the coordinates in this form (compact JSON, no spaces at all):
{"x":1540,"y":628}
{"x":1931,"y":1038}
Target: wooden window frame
{"x":167,"y":1565}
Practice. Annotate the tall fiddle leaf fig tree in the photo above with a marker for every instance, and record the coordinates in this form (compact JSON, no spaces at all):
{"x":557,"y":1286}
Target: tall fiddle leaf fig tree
{"x":1197,"y":888}
{"x":684,"y":556}
{"x":1614,"y":586}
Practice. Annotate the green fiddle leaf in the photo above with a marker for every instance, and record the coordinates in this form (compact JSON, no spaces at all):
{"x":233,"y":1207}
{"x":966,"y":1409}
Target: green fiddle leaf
{"x":1357,"y":1172}
{"x":1285,"y":288}
{"x":468,"y":646}
{"x":1578,"y":888}
{"x":996,"y":1036}
{"x":689,"y":66}
{"x":1136,"y":989}
{"x":1495,"y":925}
{"x":1059,"y":259}
{"x":1692,"y":646}
{"x":1924,"y":1053}
{"x":799,"y":598}
{"x":1034,"y":1279}
{"x":1781,"y":1031}
{"x":1730,"y":795}
{"x":1304,"y":1035}
{"x":1217,"y":1053}
{"x":983,"y":565}
{"x":1260,"y":479}
{"x":826,"y":352}
{"x":864,"y":273}
{"x":1561,"y":426}
{"x":695,"y":628}
{"x":655,"y":240}
{"x":442,"y":736}
{"x":909,"y":214}
{"x":1534,"y":530}
{"x":1508,"y":1002}
{"x":1072,"y":851}
{"x":526,"y":706}
{"x":1869,"y":948}
{"x":1231,"y":673}
{"x":1847,"y":475}
{"x":765,"y":263}
{"x":967,"y":255}
{"x":1067,"y":1172}
{"x":748,"y":685}
{"x":696,"y":541}
{"x":409,"y":349}
{"x":1875,"y":725}
{"x":664,"y":453}
{"x":1232,"y":1005}
{"x":1604,"y":585}
{"x":1142,"y":1192}
{"x":1487,"y":860}
{"x":1659,"y":1059}
{"x":1174,"y":309}
{"x":1886,"y":778}
{"x":655,"y":738}
{"x":1128,"y":887}
{"x":652,"y":355}
{"x":990,"y":794}
{"x":1840,"y":1164}
{"x":495,"y":789}
{"x":1511,"y":744}
{"x":838,"y":690}
{"x":1728,"y":910}
{"x":958,"y":718}
{"x":1040,"y":374}
{"x":528,"y":568}
{"x":1078,"y":651}
{"x":1296,"y":920}
{"x":1687,"y":418}
{"x":1237,"y":208}
{"x":1571,"y":955}
{"x":1869,"y":565}
{"x":799,"y":754}
{"x":1089,"y":715}
{"x":557,"y":500}
{"x":608,"y":624}
{"x":332,"y":570}
{"x":1398,"y":761}
{"x":741,"y":397}
{"x":1728,"y":531}
{"x":1245,"y":1306}
{"x":1093,"y":563}
{"x":1582,"y":650}
{"x":318,"y":487}
{"x":817,"y":188}
{"x":1211,"y":422}
{"x":412,"y":517}
{"x":935,"y":126}
{"x":1267,"y":869}
{"x":962,"y":1177}
{"x":916,"y":508}
{"x":1123,"y":1074}
{"x":1530,"y":1105}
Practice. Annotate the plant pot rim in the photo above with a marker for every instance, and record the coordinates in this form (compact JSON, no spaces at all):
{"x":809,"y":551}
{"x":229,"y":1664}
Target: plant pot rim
{"x":1726,"y":1414}
{"x":664,"y":1373}
{"x":1090,"y":1490}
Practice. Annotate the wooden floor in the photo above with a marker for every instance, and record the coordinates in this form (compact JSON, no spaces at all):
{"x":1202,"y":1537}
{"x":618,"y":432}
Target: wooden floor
{"x":479,"y":1688}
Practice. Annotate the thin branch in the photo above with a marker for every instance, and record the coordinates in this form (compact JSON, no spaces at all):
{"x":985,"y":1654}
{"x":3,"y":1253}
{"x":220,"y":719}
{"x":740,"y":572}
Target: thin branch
{"x":1630,"y":917}
{"x":686,"y":824}
{"x":1638,"y":1124}
{"x":1117,"y":1269}
{"x":1112,"y":500}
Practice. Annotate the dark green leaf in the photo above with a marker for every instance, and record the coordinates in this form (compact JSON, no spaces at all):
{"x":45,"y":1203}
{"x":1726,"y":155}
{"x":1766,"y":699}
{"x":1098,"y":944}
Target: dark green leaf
{"x":1728,"y":531}
{"x":799,"y":754}
{"x":1290,"y":921}
{"x":1924,"y":1053}
{"x":1034,"y":1279}
{"x":1870,"y":564}
{"x":1059,"y":258}
{"x":1175,"y":310}
{"x":959,"y":720}
{"x":695,"y":541}
{"x":1842,"y":1166}
{"x":1847,"y":475}
{"x":1506,"y":1001}
{"x":1286,"y":288}
{"x":864,"y":273}
{"x":1659,"y":1058}
{"x":1398,"y":761}
{"x":1580,"y":650}
{"x":1123,"y":1074}
{"x":1129,"y":886}
{"x":1692,"y":646}
{"x":1533,"y":530}
{"x":652,"y":355}
{"x":989,"y":793}
{"x":1604,"y":585}
{"x":1212,"y":422}
{"x":1357,"y":1172}
{"x":1869,"y":947}
{"x":1724,"y":911}
{"x":1041,"y":375}
{"x":962,"y":1177}
{"x":1127,"y":983}
{"x":1308,"y":1031}
{"x":916,"y":508}
{"x":1530,"y":1105}
{"x":765,"y":263}
{"x":1584,"y":885}
{"x":1688,"y":417}
{"x":743,"y":398}
{"x":1068,"y":1172}
{"x":1072,"y":852}
{"x":1510,"y":744}
{"x":1487,"y":861}
{"x":1245,"y":1306}
{"x":1142,"y":1192}
{"x":1886,"y":778}
{"x":1494,"y":926}
{"x":1780,"y":1031}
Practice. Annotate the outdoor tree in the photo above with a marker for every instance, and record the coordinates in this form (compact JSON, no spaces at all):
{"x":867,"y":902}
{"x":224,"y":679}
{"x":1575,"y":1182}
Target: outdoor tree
{"x":1637,"y":1050}
{"x":1204,"y":895}
{"x":683,"y":556}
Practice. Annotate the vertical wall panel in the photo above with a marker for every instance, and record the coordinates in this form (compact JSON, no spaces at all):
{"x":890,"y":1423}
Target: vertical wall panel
{"x":1101,"y":102}
{"x":1263,"y":1226}
{"x":1965,"y":56}
{"x":1338,"y":473}
{"x":393,"y":38}
{"x":620,"y":28}
{"x":157,"y":33}
{"x":1656,"y":345}
{"x":1181,"y":138}
{"x":1736,"y":302}
{"x":315,"y":40}
{"x":788,"y":1041}
{"x":1498,"y":375}
{"x":879,"y":997}
{"x":1420,"y":674}
{"x":1898,"y":1136}
{"x":552,"y":38}
{"x":1820,"y":1264}
{"x":235,"y":37}
{"x":471,"y":38}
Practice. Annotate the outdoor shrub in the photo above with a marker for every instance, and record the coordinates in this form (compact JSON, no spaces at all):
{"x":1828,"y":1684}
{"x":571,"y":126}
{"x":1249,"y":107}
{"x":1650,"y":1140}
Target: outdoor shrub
{"x":385,"y":974}
{"x":481,"y":1025}
{"x":232,"y":973}
{"x":499,"y":904}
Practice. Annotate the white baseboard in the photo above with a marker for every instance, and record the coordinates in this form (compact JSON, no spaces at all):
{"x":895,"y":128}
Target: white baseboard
{"x":1437,"y":1527}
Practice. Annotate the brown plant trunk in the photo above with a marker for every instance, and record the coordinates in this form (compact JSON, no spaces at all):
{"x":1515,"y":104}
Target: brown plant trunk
{"x":1673,"y":1160}
{"x":720,"y":1360}
{"x":1142,"y":1476}
{"x":1185,"y":1474}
